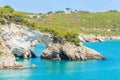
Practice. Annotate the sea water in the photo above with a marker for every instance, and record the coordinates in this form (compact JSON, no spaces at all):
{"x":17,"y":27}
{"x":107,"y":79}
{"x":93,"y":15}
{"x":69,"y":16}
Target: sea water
{"x":72,"y":70}
{"x":38,"y":49}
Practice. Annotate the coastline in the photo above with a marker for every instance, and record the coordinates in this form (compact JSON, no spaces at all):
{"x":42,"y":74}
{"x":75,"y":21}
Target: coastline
{"x":96,"y":38}
{"x":58,"y":49}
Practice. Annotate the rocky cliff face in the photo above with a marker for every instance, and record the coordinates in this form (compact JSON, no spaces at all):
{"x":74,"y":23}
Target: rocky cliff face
{"x":20,"y":39}
{"x":70,"y":52}
{"x":3,"y":47}
{"x":7,"y":60}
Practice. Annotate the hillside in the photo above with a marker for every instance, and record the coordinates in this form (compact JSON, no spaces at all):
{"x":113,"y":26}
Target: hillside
{"x":66,"y":26}
{"x":101,"y":23}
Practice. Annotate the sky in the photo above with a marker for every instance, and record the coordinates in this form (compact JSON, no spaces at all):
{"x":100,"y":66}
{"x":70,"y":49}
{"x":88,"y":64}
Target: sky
{"x":43,"y":6}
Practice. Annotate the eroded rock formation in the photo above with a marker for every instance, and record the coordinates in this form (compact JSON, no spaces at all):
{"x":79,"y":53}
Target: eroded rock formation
{"x":7,"y":59}
{"x":70,"y":52}
{"x":20,"y":39}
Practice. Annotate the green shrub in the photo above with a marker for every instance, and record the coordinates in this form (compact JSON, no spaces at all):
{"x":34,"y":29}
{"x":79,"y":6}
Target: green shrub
{"x":1,"y":52}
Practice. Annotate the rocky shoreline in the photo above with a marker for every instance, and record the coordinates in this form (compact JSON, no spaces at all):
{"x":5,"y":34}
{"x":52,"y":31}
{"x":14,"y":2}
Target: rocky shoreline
{"x":73,"y":52}
{"x":96,"y":38}
{"x":19,"y":39}
{"x":69,"y":51}
{"x":8,"y":61}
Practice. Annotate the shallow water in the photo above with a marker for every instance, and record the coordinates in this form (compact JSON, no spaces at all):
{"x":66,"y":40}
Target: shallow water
{"x":72,"y":70}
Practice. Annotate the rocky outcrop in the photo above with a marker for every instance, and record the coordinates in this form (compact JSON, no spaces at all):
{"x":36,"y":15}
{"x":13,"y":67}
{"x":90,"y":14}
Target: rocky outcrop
{"x":8,"y":61}
{"x":20,"y":39}
{"x":70,"y":52}
{"x":90,"y":38}
{"x":96,"y":38}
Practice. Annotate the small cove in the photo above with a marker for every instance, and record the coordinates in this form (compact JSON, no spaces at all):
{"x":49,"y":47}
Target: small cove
{"x":71,"y":70}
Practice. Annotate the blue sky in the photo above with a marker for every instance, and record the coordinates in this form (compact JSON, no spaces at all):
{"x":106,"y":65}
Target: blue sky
{"x":53,"y":5}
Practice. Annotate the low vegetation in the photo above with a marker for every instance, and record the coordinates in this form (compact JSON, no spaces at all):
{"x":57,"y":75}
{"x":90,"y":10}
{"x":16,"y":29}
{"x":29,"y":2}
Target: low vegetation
{"x":66,"y":25}
{"x":1,"y":52}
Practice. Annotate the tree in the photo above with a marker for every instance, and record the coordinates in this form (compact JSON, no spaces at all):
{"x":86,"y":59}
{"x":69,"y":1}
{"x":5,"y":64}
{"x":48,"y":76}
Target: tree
{"x":50,"y":12}
{"x":8,"y":8}
{"x":68,"y":9}
{"x":76,"y":10}
{"x":40,"y":13}
{"x":59,"y":12}
{"x":112,"y":11}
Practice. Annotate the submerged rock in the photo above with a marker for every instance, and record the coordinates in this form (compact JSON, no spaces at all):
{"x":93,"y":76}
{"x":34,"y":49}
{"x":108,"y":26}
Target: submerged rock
{"x":33,"y":66}
{"x":70,"y":52}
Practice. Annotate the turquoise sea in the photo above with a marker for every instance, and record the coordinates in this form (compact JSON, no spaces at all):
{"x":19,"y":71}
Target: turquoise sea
{"x":37,"y":49}
{"x":72,"y":70}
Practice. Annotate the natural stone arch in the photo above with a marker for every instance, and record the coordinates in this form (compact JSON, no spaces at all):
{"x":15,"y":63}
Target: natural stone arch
{"x":22,"y":38}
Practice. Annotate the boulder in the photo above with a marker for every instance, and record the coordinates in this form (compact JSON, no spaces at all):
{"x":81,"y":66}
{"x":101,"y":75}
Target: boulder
{"x":70,"y":52}
{"x":33,"y":66}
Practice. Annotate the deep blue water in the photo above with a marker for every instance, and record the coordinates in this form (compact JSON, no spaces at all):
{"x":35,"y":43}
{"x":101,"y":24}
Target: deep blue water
{"x":72,"y":70}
